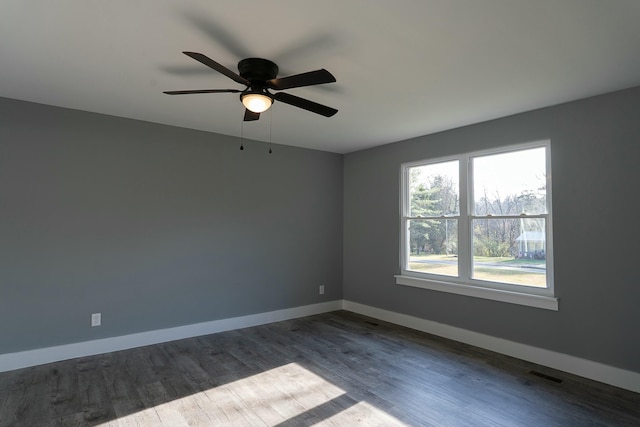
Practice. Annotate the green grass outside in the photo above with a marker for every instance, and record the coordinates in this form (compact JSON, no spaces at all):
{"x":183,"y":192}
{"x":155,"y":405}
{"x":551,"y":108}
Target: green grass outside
{"x":484,"y":273}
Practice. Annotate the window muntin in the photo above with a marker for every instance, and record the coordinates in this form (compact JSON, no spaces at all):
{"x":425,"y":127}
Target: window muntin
{"x":497,"y":235}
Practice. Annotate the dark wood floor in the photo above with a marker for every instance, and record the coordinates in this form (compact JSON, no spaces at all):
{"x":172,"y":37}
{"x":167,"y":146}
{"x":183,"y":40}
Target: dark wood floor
{"x":337,"y":369}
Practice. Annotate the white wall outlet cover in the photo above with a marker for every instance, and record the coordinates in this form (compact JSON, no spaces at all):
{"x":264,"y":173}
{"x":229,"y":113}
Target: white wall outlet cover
{"x":96,"y":319}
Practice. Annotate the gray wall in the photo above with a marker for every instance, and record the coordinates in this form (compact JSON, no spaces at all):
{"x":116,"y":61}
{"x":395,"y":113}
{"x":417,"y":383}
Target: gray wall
{"x":595,"y":148}
{"x":154,"y":226}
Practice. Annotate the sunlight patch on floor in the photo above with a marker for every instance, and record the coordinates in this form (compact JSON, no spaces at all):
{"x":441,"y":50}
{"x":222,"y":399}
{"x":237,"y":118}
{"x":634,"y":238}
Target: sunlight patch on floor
{"x":362,"y":414}
{"x":287,"y":394}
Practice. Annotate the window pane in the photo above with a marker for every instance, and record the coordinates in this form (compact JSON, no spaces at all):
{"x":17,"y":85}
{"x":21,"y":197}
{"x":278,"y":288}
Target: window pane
{"x":434,"y":190}
{"x":510,"y":251}
{"x":433,"y":246}
{"x":510,"y":183}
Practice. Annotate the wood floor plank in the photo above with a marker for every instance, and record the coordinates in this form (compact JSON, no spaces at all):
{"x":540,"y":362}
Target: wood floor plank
{"x":94,"y":396}
{"x":333,"y":369}
{"x":63,"y":393}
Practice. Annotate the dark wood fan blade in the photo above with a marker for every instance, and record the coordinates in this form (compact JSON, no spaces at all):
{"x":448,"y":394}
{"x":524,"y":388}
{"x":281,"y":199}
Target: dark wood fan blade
{"x":250,"y":116}
{"x":188,"y":92}
{"x":305,"y":104}
{"x":298,"y":80}
{"x":218,"y":67}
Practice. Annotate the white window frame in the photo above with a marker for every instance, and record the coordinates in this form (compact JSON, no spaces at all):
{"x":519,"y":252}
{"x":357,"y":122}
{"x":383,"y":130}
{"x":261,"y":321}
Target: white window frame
{"x":464,"y":284}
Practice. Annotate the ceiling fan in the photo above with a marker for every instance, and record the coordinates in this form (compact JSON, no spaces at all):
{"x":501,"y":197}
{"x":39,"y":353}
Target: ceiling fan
{"x":259,"y":76}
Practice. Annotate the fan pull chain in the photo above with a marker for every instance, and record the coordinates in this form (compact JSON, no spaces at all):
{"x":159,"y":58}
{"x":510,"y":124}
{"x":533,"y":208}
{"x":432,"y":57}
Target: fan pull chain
{"x":270,"y":123}
{"x":241,"y":134}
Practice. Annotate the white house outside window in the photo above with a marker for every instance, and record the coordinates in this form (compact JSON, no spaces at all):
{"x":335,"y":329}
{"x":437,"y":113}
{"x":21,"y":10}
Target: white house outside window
{"x":479,"y":224}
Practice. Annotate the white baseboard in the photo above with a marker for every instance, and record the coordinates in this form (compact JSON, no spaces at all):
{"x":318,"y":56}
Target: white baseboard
{"x":585,"y":368}
{"x":23,"y":359}
{"x":574,"y":365}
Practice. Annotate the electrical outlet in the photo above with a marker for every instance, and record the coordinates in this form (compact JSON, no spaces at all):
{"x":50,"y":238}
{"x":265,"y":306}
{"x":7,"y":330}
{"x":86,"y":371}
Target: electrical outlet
{"x":96,"y":319}
{"x":321,"y":289}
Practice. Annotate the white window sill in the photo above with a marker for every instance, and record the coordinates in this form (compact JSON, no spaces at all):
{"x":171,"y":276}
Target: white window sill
{"x":539,"y":301}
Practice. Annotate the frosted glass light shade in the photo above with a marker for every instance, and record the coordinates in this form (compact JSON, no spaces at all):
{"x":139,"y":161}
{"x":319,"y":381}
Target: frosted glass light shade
{"x":256,"y":102}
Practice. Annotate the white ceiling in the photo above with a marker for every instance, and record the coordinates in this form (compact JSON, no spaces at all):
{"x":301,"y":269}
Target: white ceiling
{"x":403,"y":68}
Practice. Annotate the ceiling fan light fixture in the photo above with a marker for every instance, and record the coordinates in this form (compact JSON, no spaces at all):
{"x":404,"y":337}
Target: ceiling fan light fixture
{"x":256,"y":102}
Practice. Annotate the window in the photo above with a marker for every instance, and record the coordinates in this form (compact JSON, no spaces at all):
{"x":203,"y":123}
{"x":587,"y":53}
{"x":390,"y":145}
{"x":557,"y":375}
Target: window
{"x":479,"y":224}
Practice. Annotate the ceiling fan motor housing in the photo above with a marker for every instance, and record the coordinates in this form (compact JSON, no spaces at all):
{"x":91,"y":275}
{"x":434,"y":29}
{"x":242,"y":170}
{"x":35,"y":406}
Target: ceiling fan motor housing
{"x":257,"y":70}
